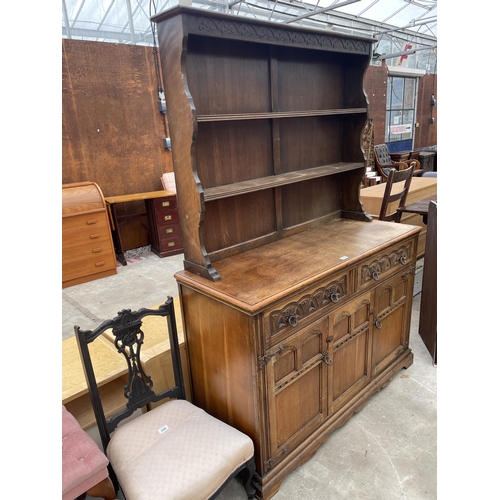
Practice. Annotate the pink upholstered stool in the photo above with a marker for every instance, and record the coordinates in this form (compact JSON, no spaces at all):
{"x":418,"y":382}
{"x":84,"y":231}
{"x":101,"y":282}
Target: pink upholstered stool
{"x":84,"y":465}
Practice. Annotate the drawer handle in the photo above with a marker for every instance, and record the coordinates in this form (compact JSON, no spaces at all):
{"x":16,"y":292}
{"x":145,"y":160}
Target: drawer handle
{"x":334,"y":296}
{"x":91,"y":221}
{"x":99,"y":264}
{"x":97,"y":250}
{"x":168,"y":217}
{"x":402,"y":259}
{"x":374,"y":274}
{"x":291,"y":319}
{"x":94,"y":236}
{"x":165,"y":204}
{"x":169,"y":230}
{"x":171,"y":244}
{"x":327,"y":358}
{"x":378,"y":324}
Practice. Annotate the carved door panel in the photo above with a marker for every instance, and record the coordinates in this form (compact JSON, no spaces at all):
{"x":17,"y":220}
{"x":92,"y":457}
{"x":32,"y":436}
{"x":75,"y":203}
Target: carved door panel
{"x":391,"y":318}
{"x":349,"y":348}
{"x":296,"y":376}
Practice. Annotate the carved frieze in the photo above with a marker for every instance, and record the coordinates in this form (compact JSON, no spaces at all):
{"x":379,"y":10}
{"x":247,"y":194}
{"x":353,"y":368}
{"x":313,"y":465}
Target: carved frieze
{"x":271,"y":34}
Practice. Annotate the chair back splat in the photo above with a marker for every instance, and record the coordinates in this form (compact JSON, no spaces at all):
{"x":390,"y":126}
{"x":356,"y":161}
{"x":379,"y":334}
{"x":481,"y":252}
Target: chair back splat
{"x":396,"y":189}
{"x":149,"y":455}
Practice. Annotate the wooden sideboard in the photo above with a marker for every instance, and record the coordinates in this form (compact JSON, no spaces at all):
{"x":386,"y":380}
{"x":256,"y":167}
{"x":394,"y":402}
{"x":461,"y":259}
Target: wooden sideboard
{"x":296,"y":304}
{"x":420,"y":188}
{"x":87,"y":245}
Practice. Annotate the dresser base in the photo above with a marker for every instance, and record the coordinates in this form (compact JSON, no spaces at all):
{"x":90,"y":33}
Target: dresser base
{"x":270,"y":484}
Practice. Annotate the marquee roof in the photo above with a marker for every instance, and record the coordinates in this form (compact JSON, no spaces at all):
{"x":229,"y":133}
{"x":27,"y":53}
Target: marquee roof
{"x":400,"y":27}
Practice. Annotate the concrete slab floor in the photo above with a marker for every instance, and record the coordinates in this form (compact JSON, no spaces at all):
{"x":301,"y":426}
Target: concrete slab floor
{"x":386,"y":451}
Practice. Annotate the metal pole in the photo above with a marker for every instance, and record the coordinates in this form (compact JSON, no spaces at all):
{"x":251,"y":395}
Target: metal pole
{"x":66,"y":19}
{"x":131,"y":22}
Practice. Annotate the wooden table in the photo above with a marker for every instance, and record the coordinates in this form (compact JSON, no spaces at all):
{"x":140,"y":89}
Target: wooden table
{"x":420,"y":207}
{"x":112,"y":202}
{"x":420,"y":188}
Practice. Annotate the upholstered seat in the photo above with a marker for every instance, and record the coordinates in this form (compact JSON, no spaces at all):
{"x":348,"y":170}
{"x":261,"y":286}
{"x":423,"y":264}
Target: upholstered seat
{"x":84,"y":465}
{"x":195,"y":449}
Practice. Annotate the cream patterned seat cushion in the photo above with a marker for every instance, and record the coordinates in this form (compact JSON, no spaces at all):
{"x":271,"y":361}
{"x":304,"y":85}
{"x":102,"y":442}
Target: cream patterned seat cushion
{"x":176,"y":452}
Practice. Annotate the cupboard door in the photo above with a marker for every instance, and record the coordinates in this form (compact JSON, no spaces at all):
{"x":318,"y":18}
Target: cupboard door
{"x":349,"y":348}
{"x":392,"y":313}
{"x":296,"y":374}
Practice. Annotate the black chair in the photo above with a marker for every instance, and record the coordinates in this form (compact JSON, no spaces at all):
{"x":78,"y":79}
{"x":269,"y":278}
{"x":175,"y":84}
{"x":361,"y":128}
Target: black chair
{"x":396,"y":188}
{"x":175,"y":450}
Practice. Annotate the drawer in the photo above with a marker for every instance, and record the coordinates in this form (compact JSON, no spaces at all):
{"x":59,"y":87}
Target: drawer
{"x":82,"y":229}
{"x":169,"y":232}
{"x":170,"y":217}
{"x":85,"y":261}
{"x":384,"y":264}
{"x":164,"y":204}
{"x":171,"y":244}
{"x":298,"y":310}
{"x":89,"y":251}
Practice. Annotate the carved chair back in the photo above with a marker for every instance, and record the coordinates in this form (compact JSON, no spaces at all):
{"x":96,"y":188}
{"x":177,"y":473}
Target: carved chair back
{"x":128,"y":339}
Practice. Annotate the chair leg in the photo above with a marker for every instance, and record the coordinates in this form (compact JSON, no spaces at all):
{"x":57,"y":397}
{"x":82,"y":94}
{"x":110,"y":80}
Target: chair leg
{"x":246,"y":478}
{"x":104,"y":489}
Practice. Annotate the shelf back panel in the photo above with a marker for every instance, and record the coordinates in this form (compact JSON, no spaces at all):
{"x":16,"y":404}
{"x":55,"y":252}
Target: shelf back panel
{"x":310,"y":142}
{"x":310,"y":200}
{"x":230,"y":152}
{"x":228,"y":77}
{"x":238,"y":219}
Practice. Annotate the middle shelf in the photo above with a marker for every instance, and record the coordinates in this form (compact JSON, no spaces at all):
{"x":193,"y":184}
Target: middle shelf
{"x":238,"y":188}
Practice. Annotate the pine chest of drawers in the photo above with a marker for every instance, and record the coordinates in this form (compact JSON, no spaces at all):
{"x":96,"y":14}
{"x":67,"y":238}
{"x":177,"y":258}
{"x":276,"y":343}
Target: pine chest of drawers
{"x":87,"y":245}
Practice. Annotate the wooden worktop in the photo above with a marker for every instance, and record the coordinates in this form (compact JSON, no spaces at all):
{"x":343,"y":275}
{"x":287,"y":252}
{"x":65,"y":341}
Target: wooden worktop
{"x":124,"y":198}
{"x":294,"y":262}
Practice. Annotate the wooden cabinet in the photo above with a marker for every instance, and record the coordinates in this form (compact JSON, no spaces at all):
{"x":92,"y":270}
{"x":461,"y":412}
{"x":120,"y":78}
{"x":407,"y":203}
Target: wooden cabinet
{"x":291,"y":341}
{"x":87,"y":245}
{"x":295,"y":303}
{"x":164,"y":229}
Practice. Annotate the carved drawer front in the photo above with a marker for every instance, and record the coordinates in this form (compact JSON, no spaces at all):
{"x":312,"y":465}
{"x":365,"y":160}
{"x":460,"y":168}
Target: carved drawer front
{"x":297,"y":311}
{"x":296,"y":377}
{"x":384,"y":264}
{"x":349,"y":347}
